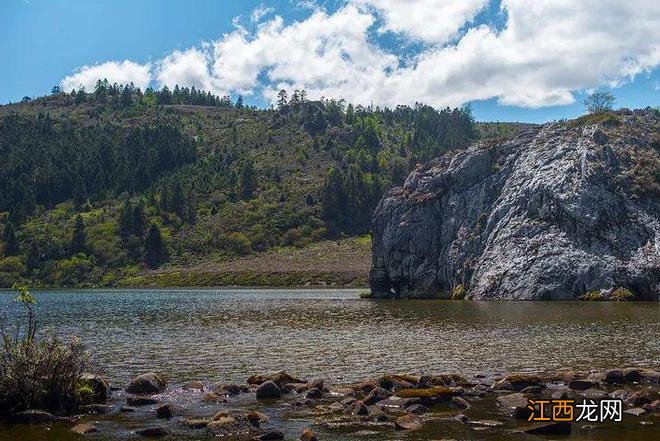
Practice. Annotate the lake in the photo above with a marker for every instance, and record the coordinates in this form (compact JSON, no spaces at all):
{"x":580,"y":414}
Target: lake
{"x":225,"y":335}
{"x":229,"y":334}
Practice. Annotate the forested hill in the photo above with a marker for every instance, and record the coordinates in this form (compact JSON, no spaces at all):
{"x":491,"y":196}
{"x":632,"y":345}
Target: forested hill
{"x":97,"y":186}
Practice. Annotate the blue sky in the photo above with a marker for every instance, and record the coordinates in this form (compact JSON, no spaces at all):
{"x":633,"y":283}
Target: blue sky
{"x":509,"y":59}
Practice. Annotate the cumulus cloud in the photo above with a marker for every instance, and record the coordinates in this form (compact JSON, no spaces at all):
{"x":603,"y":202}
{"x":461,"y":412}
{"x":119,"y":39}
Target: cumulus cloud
{"x":543,"y":52}
{"x":433,"y":21}
{"x":120,"y":72}
{"x":188,"y":68}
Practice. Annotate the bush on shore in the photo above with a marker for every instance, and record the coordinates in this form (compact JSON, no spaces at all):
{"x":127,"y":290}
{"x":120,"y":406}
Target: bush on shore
{"x":38,"y":371}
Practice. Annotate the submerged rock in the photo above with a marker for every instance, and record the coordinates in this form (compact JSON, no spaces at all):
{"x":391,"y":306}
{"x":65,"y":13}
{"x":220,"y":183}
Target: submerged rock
{"x":550,"y":214}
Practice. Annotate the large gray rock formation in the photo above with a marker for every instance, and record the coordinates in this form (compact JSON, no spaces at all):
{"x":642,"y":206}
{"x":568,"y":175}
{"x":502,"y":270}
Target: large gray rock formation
{"x":559,"y":211}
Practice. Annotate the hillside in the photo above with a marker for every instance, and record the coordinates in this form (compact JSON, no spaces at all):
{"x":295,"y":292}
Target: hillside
{"x":103,"y":188}
{"x":563,"y":211}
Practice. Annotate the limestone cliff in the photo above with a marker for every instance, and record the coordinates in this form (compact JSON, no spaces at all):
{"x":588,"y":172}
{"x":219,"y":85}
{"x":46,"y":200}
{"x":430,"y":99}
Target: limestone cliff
{"x":561,"y":210}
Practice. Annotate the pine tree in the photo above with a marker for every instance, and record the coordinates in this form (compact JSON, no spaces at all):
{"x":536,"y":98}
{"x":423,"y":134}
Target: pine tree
{"x":126,"y":219}
{"x":138,"y":220}
{"x":78,"y":238}
{"x":9,"y":238}
{"x":154,"y":248}
{"x":247,"y":181}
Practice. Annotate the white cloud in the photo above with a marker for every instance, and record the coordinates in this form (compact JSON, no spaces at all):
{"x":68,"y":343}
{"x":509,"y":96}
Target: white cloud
{"x":259,"y":12}
{"x":545,"y":51}
{"x":433,"y":21}
{"x":120,"y":72}
{"x":188,"y":68}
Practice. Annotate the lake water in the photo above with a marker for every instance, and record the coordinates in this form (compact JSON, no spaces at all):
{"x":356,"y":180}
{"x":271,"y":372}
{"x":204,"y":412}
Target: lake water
{"x":229,"y":334}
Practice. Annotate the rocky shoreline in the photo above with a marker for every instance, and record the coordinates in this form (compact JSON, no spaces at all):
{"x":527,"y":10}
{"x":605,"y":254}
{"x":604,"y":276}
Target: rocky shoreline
{"x":282,"y":406}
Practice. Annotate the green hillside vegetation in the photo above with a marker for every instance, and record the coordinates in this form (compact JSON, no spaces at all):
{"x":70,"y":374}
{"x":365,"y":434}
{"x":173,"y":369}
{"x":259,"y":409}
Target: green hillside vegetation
{"x":99,"y":188}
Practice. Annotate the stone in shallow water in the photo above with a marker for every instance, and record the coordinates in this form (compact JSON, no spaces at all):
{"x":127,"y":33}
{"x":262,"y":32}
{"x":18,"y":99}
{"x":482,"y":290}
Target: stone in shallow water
{"x":225,"y":424}
{"x":408,"y":422}
{"x":314,"y":393}
{"x":377,"y":394}
{"x":127,"y":409}
{"x":270,"y":435}
{"x":460,"y":402}
{"x":195,"y":423}
{"x":555,"y":428}
{"x":255,"y":417}
{"x":417,"y":409}
{"x":165,"y":411}
{"x":82,"y":429}
{"x":98,"y":384}
{"x":562,"y":394}
{"x":34,"y":416}
{"x":308,"y":435}
{"x":428,"y":396}
{"x":193,"y":385}
{"x":268,"y":390}
{"x":514,"y":405}
{"x":146,"y":384}
{"x":582,"y":384}
{"x":279,"y":378}
{"x":594,"y":393}
{"x":212,"y":398}
{"x":518,"y":382}
{"x":635,"y":411}
{"x":230,"y":389}
{"x":461,"y":418}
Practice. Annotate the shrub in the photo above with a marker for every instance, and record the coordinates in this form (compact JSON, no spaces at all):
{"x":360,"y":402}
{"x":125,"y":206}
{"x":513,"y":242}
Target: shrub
{"x":621,"y":294}
{"x":599,"y":102}
{"x":592,"y":296}
{"x":458,"y":292}
{"x":38,"y":372}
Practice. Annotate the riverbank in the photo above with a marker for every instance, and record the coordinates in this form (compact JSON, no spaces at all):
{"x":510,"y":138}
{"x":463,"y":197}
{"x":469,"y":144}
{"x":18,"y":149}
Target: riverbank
{"x":282,"y":406}
{"x":344,"y":263}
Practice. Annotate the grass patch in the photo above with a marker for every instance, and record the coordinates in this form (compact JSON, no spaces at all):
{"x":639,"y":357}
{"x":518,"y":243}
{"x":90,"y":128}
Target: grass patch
{"x":245,"y":278}
{"x":601,"y":118}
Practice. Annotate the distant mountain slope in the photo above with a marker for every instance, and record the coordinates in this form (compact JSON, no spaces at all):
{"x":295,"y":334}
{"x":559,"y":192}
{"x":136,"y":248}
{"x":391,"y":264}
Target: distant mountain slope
{"x":172,"y":178}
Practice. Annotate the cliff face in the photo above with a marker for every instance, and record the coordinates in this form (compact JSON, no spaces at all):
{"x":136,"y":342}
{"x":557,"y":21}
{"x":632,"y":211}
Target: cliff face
{"x":560,"y":211}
